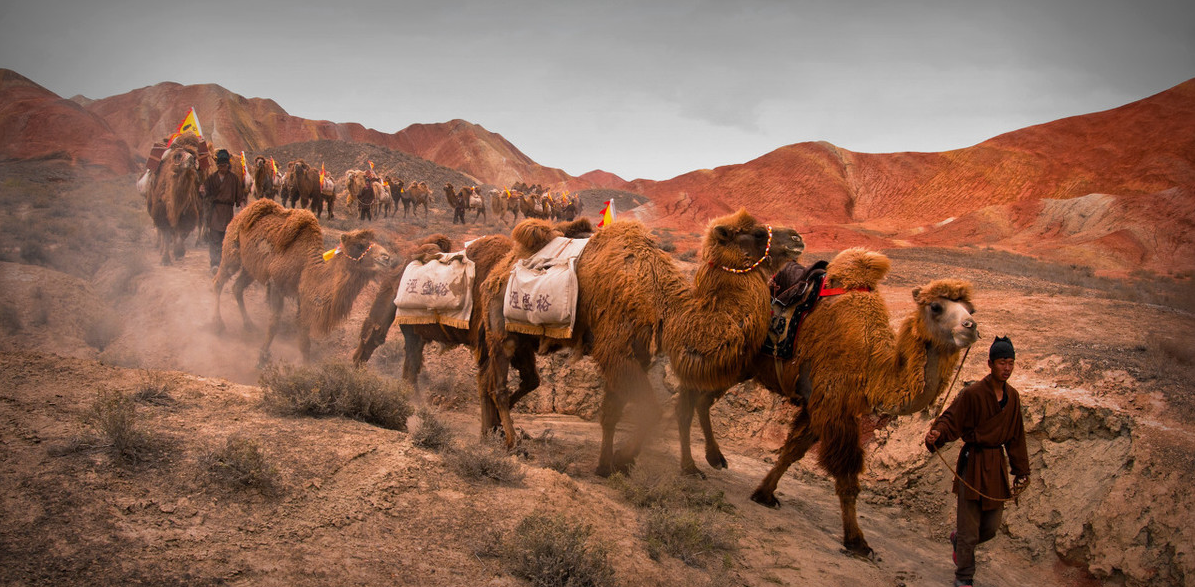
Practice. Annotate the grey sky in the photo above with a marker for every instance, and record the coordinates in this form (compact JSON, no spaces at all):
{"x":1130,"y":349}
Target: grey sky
{"x":640,"y":89}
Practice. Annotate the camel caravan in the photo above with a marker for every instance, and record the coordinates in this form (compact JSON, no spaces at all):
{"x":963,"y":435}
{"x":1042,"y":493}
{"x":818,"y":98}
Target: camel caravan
{"x":817,"y":336}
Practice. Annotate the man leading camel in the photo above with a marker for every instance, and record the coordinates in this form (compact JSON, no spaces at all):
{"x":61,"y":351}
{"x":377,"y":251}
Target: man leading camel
{"x":987,"y":416}
{"x":224,"y":190}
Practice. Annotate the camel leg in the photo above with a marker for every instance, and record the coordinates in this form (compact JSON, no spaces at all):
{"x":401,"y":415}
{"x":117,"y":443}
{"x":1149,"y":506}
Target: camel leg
{"x":713,"y":454}
{"x":847,"y":488}
{"x":238,"y":291}
{"x":164,"y":239}
{"x":412,"y":362}
{"x":489,"y":410}
{"x":275,"y":299}
{"x":684,"y":422}
{"x":800,"y":438}
{"x":523,"y":360}
{"x":633,"y":379}
{"x":611,"y":413}
{"x":180,"y":247}
{"x":218,"y":286}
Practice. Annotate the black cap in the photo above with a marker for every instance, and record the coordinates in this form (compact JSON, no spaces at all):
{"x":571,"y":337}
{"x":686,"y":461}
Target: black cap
{"x":222,"y":156}
{"x":1001,"y":349}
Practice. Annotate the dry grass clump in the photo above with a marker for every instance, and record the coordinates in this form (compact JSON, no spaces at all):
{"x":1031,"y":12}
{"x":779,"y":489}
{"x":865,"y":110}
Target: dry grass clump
{"x":432,"y":433}
{"x":240,"y":463}
{"x":551,"y":454}
{"x":683,"y":518}
{"x":551,"y":551}
{"x":113,"y":416}
{"x":336,"y":389}
{"x":154,"y":389}
{"x":487,"y":461}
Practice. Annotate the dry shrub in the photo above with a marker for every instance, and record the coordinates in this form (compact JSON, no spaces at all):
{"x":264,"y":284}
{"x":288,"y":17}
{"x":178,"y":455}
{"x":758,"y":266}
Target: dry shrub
{"x":154,"y":389}
{"x":488,"y":461}
{"x":545,"y":450}
{"x":336,"y":389}
{"x":693,"y":536}
{"x":432,"y":433}
{"x":551,"y":551}
{"x":113,"y":415}
{"x":649,"y":485}
{"x":684,"y":519}
{"x":240,"y":463}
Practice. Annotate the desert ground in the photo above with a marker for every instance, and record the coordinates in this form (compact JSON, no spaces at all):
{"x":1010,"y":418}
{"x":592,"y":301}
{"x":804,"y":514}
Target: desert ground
{"x":1105,"y":368}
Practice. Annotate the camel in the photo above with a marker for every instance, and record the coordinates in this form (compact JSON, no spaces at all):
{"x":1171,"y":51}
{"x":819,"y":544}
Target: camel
{"x":263,"y":179}
{"x":630,"y":296}
{"x":502,"y":202}
{"x":288,"y":191}
{"x":847,"y":362}
{"x":282,"y":249}
{"x":385,"y":201}
{"x":173,"y":201}
{"x":485,"y":253}
{"x":416,"y":195}
{"x":476,"y":203}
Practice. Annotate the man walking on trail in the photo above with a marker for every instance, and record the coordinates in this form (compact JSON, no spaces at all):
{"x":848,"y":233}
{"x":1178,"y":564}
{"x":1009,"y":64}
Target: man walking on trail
{"x":224,"y":190}
{"x":987,"y":416}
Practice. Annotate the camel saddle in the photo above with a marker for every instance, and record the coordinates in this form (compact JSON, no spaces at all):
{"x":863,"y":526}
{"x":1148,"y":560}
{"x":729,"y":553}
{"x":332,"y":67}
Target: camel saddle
{"x":795,"y":291}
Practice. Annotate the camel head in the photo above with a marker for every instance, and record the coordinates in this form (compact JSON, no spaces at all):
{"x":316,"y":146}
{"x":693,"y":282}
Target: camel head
{"x":738,"y":243}
{"x":361,"y":247}
{"x":946,"y":314}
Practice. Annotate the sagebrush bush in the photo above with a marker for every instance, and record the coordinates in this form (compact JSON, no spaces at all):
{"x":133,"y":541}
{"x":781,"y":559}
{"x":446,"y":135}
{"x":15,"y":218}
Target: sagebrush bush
{"x":113,"y":415}
{"x":485,"y":462}
{"x":693,"y":536}
{"x":551,"y":551}
{"x":153,"y":389}
{"x":431,"y":434}
{"x":551,"y":454}
{"x":336,"y":390}
{"x":240,"y":463}
{"x":649,"y":485}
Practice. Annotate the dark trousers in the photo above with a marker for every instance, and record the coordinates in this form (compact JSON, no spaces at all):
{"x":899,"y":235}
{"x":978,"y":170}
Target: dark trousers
{"x":458,"y":213}
{"x":975,"y":526}
{"x":366,"y":211}
{"x":215,"y":246}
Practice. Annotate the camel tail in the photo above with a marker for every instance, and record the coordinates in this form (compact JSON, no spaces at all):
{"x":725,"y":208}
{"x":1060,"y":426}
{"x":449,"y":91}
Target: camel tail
{"x":532,"y":234}
{"x":858,"y":267}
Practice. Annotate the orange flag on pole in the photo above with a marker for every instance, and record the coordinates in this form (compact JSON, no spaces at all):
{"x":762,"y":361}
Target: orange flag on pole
{"x":607,"y":214}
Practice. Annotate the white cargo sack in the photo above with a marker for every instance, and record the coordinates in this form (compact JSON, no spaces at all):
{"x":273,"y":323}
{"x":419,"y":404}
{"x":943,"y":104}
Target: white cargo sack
{"x":437,"y":292}
{"x":541,"y":295}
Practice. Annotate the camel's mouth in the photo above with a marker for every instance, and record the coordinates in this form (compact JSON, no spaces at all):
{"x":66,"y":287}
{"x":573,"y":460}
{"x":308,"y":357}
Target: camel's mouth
{"x":965,"y":335}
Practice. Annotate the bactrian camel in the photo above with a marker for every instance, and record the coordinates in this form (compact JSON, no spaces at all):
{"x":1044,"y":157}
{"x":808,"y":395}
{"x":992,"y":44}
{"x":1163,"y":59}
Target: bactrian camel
{"x":630,"y":296}
{"x":283,"y":249}
{"x":173,"y":197}
{"x":848,"y":363}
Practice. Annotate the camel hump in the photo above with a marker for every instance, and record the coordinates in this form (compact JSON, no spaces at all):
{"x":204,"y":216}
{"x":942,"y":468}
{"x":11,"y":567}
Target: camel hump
{"x":441,"y":242}
{"x":951,"y":289}
{"x":258,"y":210}
{"x":858,"y":267}
{"x":532,"y":234}
{"x":579,"y":228}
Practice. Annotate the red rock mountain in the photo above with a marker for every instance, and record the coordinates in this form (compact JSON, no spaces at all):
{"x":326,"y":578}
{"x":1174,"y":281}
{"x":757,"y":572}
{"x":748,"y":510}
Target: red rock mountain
{"x":36,"y":123}
{"x":1106,"y":181}
{"x":252,"y":124}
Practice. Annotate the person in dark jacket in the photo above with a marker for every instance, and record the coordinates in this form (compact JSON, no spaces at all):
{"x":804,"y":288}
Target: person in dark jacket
{"x":224,"y":190}
{"x":987,"y":416}
{"x":366,"y":198}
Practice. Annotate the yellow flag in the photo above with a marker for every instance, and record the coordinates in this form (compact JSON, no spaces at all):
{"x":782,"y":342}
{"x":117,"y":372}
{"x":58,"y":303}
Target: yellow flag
{"x":607,"y":214}
{"x":190,"y":123}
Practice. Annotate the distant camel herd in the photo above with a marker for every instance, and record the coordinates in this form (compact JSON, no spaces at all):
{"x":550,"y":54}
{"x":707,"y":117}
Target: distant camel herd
{"x":634,"y":306}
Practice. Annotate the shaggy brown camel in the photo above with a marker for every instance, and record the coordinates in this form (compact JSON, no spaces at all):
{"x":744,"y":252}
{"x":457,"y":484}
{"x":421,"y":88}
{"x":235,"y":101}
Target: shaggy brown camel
{"x":416,"y":195}
{"x":173,"y":199}
{"x":847,"y":362}
{"x":263,"y":179}
{"x":282,"y":248}
{"x":502,"y":202}
{"x":630,"y":296}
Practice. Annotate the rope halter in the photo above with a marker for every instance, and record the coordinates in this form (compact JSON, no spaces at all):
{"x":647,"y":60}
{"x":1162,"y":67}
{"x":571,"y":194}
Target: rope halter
{"x":766,"y":251}
{"x":363,"y":253}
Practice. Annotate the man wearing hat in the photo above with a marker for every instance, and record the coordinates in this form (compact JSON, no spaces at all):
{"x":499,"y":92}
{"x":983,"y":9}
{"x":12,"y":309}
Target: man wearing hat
{"x":987,"y":416}
{"x":224,"y":190}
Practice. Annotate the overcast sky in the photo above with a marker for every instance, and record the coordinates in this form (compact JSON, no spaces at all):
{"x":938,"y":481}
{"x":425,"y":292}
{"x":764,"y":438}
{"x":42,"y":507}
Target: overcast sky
{"x":637,"y":88}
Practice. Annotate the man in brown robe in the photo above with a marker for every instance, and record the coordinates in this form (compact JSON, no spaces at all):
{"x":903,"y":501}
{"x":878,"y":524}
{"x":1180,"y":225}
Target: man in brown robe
{"x":987,"y":416}
{"x":224,"y":190}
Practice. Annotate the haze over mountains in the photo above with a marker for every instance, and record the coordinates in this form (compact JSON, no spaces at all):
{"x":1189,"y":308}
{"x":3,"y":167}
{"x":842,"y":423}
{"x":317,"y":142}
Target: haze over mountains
{"x":1114,"y":190}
